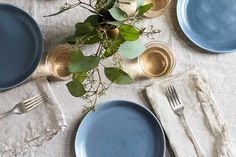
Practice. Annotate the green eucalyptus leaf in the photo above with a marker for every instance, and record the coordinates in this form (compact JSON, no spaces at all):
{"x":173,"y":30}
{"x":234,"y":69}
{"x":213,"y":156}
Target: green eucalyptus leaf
{"x":131,"y":49}
{"x":117,"y":75}
{"x":76,"y":88}
{"x":70,"y":39}
{"x":90,"y":39}
{"x":118,"y":14}
{"x":75,"y":55}
{"x":79,"y":77}
{"x":110,"y":3}
{"x":112,"y":48}
{"x":84,"y":28}
{"x":128,"y":32}
{"x":143,"y":9}
{"x":93,"y":20}
{"x":84,"y":64}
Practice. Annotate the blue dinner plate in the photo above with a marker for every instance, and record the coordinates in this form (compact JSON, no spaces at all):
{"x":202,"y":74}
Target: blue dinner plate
{"x":120,"y":129}
{"x":21,"y":46}
{"x":210,"y":24}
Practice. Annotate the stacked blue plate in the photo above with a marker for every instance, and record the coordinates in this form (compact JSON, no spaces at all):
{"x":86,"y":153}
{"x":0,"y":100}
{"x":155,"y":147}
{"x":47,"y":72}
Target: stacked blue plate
{"x":210,"y":24}
{"x":21,"y":46}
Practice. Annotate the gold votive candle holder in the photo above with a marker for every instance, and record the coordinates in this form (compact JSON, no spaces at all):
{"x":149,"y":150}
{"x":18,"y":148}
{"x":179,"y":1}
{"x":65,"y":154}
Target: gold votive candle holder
{"x":159,"y":7}
{"x":54,"y":64}
{"x":57,"y":62}
{"x":157,"y":61}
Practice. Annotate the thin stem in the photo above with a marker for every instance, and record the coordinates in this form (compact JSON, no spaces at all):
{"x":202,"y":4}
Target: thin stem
{"x":99,"y":48}
{"x":89,"y":5}
{"x":66,"y":7}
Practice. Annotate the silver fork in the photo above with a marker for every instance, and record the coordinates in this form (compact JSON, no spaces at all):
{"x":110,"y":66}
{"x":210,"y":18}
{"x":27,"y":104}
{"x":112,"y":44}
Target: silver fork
{"x":178,"y":108}
{"x":25,"y":106}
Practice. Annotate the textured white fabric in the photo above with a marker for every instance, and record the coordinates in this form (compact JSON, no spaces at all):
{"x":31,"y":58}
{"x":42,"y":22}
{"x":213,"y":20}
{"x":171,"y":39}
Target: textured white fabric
{"x":201,"y":112}
{"x":18,"y":133}
{"x":220,"y":68}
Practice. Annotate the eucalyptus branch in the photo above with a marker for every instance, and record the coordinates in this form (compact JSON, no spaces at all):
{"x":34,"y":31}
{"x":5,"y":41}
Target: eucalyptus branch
{"x":101,"y":28}
{"x":89,"y":5}
{"x":64,"y":8}
{"x":68,"y":6}
{"x":99,"y":48}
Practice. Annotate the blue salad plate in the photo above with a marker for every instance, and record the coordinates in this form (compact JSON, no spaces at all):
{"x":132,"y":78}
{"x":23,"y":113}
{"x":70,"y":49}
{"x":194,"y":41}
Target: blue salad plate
{"x":120,"y":129}
{"x":210,"y":24}
{"x":21,"y":46}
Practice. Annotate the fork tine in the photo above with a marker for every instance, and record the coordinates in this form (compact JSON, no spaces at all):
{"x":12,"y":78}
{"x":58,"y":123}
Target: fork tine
{"x":169,"y":96}
{"x":28,"y":105}
{"x":175,"y":94}
{"x":32,"y":99}
{"x":35,"y":104}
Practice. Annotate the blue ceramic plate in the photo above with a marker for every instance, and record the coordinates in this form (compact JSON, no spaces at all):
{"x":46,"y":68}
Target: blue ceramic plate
{"x":21,"y":46}
{"x":210,"y":24}
{"x":120,"y":129}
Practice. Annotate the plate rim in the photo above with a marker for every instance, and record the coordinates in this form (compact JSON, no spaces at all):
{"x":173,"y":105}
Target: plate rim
{"x":39,"y":37}
{"x":179,"y":7}
{"x":111,"y":103}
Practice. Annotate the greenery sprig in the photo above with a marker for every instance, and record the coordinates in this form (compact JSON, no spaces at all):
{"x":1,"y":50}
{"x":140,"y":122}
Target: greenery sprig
{"x":114,"y":31}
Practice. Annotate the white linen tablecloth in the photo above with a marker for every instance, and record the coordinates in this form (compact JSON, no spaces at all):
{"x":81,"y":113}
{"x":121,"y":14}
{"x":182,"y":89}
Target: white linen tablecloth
{"x":221,"y":69}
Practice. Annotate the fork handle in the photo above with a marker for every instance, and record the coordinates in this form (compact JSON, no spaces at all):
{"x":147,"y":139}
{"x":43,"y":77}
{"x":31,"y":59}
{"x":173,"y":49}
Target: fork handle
{"x":193,"y":138}
{"x":5,"y":114}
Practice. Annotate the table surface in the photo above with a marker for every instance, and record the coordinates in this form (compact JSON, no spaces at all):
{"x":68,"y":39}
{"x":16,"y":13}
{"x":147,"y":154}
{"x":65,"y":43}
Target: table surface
{"x":221,"y":69}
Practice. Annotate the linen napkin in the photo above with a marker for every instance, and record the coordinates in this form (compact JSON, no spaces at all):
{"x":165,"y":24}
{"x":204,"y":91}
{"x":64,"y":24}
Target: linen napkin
{"x":19,"y":133}
{"x":201,"y":112}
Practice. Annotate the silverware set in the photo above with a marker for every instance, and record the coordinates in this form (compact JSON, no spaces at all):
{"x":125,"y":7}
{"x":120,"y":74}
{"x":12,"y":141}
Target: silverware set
{"x":178,"y":108}
{"x":25,"y":106}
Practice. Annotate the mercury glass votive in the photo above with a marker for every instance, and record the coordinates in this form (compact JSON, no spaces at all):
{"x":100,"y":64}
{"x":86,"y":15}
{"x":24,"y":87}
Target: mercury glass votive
{"x":157,"y":61}
{"x":57,"y":61}
{"x":159,"y":7}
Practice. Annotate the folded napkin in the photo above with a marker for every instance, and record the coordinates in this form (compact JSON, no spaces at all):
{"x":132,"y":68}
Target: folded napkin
{"x":201,"y":112}
{"x":19,"y":133}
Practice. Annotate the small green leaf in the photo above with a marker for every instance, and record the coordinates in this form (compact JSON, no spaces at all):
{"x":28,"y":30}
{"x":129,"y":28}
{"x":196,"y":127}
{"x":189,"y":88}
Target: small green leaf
{"x":75,"y":55}
{"x":93,"y":19}
{"x":110,"y":3}
{"x":117,"y":76}
{"x":112,"y":48}
{"x":143,"y":9}
{"x":128,"y":32}
{"x":79,"y":77}
{"x":118,"y":14}
{"x":70,"y":39}
{"x":131,"y":49}
{"x":76,"y":88}
{"x":84,"y":64}
{"x":91,"y":38}
{"x":84,"y":28}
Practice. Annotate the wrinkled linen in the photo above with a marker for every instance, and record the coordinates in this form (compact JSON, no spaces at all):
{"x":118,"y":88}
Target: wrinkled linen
{"x":19,"y":133}
{"x":201,"y":111}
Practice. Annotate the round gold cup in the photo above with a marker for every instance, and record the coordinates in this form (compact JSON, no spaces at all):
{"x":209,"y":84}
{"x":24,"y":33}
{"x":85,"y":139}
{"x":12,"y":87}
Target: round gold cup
{"x":57,"y":61}
{"x":153,"y":63}
{"x":159,"y":7}
{"x":157,"y":61}
{"x":153,"y":48}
